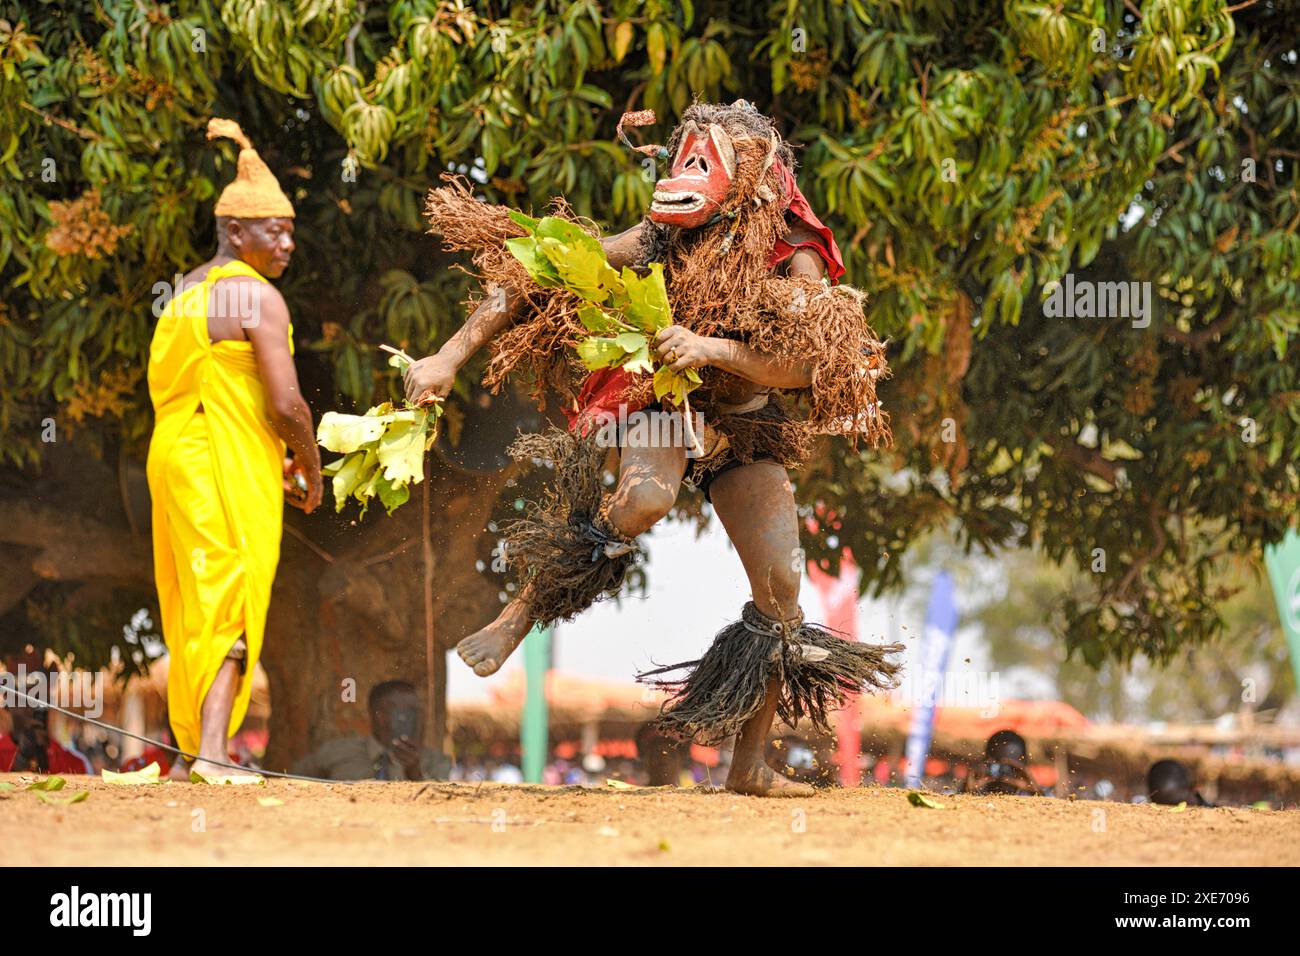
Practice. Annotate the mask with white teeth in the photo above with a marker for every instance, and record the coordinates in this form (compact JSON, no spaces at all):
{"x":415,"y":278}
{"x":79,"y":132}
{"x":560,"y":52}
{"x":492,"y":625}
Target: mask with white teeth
{"x":701,"y":177}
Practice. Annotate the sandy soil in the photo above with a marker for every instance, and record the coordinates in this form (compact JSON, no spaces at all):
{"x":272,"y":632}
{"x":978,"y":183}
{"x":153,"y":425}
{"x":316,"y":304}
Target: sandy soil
{"x":486,"y":824}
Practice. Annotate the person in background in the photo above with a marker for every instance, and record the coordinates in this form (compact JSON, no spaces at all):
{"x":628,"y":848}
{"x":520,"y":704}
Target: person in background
{"x":393,"y":751}
{"x":1170,"y":783}
{"x":1004,"y":769}
{"x":29,"y":747}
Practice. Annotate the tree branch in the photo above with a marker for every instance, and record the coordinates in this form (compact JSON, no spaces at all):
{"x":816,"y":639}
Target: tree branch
{"x":1085,"y":459}
{"x":71,"y":547}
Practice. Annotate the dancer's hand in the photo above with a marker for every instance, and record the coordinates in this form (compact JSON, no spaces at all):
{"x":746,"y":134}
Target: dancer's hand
{"x":429,"y":378}
{"x":681,"y":348}
{"x":309,"y":501}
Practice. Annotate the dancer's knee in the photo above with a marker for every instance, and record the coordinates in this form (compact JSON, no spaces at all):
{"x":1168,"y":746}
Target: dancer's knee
{"x":635,"y":509}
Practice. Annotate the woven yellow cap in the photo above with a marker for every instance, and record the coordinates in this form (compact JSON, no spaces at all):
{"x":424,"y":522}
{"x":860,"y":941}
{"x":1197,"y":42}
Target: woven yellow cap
{"x":254,"y":194}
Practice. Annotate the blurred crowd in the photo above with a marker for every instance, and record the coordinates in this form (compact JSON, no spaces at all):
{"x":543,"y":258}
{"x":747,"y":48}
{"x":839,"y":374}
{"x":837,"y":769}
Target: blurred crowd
{"x":394,"y":749}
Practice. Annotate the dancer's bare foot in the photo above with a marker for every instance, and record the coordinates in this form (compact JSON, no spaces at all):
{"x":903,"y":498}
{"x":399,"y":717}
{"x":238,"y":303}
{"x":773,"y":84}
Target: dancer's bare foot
{"x":487,"y":650}
{"x":756,"y":779}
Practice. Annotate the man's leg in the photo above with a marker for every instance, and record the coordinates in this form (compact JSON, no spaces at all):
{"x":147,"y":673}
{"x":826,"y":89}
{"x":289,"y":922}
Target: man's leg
{"x":648,"y":482}
{"x":756,"y":506}
{"x":214,"y":740}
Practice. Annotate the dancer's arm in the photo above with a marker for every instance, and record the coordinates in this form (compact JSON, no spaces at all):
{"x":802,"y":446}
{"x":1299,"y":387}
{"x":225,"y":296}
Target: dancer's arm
{"x":694,"y":351}
{"x":435,"y":374}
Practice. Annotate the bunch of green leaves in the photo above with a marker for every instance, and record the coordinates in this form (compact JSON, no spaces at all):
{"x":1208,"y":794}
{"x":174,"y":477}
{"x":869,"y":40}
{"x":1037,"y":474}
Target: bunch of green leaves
{"x":623,"y":311}
{"x":383,"y":450}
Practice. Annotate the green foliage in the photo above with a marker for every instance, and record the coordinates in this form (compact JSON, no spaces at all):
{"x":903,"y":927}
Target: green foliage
{"x":966,"y":154}
{"x":559,"y":253}
{"x":383,"y":450}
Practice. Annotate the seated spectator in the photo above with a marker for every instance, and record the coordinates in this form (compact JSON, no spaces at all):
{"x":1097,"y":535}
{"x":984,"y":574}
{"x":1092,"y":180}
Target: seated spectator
{"x":1169,"y":783}
{"x":393,"y":751}
{"x":29,"y":747}
{"x":1004,"y":769}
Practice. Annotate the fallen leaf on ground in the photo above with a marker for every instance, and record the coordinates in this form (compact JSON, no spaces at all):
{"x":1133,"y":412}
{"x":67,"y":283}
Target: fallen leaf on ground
{"x":228,"y":780}
{"x":71,"y":798}
{"x":917,"y":799}
{"x":149,"y":774}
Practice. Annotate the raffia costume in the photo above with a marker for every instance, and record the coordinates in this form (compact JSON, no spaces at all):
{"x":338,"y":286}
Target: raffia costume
{"x":721,"y":282}
{"x":215,"y":471}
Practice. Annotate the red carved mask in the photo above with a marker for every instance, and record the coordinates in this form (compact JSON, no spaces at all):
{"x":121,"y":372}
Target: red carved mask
{"x":701,"y":178}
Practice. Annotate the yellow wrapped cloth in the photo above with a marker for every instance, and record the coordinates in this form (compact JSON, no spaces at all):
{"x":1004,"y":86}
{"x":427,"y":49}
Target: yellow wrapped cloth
{"x":215,"y":473}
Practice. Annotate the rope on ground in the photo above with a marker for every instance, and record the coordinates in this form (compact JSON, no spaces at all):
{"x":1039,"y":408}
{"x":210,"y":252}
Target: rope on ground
{"x":162,"y":746}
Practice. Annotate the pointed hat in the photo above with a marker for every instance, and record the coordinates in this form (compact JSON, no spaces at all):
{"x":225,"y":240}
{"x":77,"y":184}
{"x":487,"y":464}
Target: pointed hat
{"x":255,"y":193}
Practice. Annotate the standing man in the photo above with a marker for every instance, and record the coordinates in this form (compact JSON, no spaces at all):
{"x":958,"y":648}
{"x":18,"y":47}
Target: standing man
{"x":226,"y":403}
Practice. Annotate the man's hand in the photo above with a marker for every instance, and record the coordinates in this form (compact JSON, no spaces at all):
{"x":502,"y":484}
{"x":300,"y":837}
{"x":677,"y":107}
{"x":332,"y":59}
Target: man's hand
{"x":429,"y":378}
{"x":682,"y":349}
{"x":408,"y":755}
{"x":309,"y":501}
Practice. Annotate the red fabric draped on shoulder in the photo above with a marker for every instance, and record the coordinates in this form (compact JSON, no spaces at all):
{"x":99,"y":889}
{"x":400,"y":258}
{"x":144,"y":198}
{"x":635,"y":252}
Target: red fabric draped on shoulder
{"x":824,"y":240}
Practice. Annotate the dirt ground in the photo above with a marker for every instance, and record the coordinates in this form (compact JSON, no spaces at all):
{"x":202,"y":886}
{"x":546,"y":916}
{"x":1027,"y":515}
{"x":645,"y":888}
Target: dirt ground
{"x":489,"y":824}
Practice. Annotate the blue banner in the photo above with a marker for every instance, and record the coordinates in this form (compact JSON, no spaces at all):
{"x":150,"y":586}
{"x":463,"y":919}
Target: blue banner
{"x":940,"y":626}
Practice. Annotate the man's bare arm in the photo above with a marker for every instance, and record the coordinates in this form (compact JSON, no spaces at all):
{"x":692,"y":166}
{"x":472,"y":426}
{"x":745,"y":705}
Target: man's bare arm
{"x":290,"y":414}
{"x":435,"y":374}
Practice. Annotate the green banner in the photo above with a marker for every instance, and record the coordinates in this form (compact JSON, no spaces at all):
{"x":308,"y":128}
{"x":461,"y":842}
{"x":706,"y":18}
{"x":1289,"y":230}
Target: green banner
{"x":1283,"y":560}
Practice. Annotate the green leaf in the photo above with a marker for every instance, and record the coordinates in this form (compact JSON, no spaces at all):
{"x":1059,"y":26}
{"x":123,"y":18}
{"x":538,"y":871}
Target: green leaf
{"x":597,"y":320}
{"x":230,"y":779}
{"x":600,"y":353}
{"x":639,"y":359}
{"x":647,"y":299}
{"x":401,"y":451}
{"x":392,"y":496}
{"x":347,"y":433}
{"x":631,"y":341}
{"x":582,"y":268}
{"x":70,"y":799}
{"x":149,"y":774}
{"x":48,"y":784}
{"x":918,"y":799}
{"x":526,"y":250}
{"x":524,"y":220}
{"x":356,"y":470}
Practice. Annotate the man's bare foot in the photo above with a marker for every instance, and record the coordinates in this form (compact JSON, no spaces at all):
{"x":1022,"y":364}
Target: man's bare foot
{"x":215,"y":772}
{"x":756,"y":779}
{"x":487,"y":650}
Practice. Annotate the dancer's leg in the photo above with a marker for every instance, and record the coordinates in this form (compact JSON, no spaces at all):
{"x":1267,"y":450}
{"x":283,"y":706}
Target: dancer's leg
{"x":648,"y":482}
{"x":756,"y":506}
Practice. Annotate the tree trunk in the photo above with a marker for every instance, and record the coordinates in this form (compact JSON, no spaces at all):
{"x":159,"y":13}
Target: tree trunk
{"x":347,"y":604}
{"x":349,"y":614}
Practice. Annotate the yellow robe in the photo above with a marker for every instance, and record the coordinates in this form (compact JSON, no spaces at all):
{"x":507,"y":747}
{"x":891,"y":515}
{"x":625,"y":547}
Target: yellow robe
{"x":216,"y":478}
